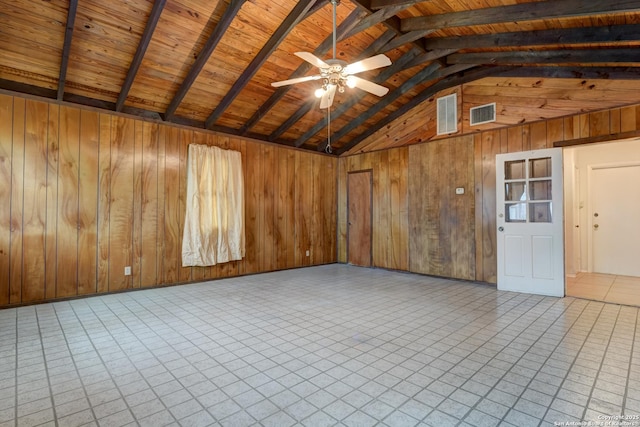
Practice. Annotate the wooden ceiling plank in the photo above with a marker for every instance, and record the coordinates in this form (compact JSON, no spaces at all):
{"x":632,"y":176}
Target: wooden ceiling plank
{"x":344,"y":27}
{"x":66,"y":49}
{"x":532,"y":11}
{"x":381,"y":4}
{"x":560,"y":56}
{"x":213,"y":40}
{"x":152,"y":22}
{"x":446,"y":83}
{"x":294,"y":17}
{"x":604,"y":34}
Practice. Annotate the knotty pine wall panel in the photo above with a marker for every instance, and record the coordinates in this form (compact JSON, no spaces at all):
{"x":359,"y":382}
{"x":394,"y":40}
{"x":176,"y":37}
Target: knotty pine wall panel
{"x":17,"y":197}
{"x":121,"y":206}
{"x":88,"y":201}
{"x":34,"y":202}
{"x":6,"y":148}
{"x":149,"y":197}
{"x":83,"y":194}
{"x":53,"y":134}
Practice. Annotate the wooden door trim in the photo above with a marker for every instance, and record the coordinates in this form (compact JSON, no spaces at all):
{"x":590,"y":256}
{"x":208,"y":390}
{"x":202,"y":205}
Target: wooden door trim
{"x":370,"y":172}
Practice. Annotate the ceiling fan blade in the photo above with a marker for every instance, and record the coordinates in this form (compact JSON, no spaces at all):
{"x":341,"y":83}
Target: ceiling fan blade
{"x":371,"y":63}
{"x":296,"y":80}
{"x":327,"y":98}
{"x":312,"y":59}
{"x":370,"y":87}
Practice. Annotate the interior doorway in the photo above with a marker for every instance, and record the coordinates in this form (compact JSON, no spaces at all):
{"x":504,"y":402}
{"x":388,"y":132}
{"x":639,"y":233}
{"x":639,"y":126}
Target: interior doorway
{"x":602,"y":233}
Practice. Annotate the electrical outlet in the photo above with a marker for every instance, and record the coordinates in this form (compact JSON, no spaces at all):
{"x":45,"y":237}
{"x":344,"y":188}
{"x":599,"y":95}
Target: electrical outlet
{"x":127,"y":270}
{"x":460,"y":190}
{"x":308,"y":252}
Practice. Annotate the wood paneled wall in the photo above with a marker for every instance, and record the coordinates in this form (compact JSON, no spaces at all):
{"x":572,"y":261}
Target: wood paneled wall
{"x":441,"y":222}
{"x":85,"y":193}
{"x":435,"y":232}
{"x":390,"y":239}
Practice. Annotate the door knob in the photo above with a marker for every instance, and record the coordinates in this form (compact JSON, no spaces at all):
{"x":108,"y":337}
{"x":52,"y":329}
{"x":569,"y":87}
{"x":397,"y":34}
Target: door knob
{"x":595,"y":226}
{"x":500,"y":228}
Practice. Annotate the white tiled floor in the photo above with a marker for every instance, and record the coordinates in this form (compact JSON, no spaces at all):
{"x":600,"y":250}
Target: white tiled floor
{"x":329,"y":345}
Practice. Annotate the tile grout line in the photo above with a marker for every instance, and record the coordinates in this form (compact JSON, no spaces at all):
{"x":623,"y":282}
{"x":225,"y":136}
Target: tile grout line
{"x":630,"y":365}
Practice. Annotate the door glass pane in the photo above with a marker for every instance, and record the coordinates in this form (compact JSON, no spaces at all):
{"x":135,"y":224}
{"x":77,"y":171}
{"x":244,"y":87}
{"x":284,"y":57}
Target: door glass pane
{"x":540,"y":190}
{"x":540,"y":212}
{"x":540,"y":168}
{"x":514,"y":170}
{"x":516,"y":212}
{"x":515,"y":191}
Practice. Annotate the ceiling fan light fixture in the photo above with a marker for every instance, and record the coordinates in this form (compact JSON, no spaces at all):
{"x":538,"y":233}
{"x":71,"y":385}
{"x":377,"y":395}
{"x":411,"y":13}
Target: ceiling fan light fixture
{"x":350,"y":82}
{"x":319,"y":92}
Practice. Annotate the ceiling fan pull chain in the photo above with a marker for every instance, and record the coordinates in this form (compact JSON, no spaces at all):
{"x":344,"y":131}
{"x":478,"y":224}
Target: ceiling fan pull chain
{"x":328,"y":149}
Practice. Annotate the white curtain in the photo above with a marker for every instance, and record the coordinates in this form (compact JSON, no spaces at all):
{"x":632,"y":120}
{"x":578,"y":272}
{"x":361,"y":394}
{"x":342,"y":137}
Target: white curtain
{"x":214,"y":222}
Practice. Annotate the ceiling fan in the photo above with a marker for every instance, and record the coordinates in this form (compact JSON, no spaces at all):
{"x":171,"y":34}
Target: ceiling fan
{"x":336,"y":74}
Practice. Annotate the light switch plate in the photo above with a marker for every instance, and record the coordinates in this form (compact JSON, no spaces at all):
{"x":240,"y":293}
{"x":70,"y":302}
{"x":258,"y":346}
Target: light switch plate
{"x":460,"y":190}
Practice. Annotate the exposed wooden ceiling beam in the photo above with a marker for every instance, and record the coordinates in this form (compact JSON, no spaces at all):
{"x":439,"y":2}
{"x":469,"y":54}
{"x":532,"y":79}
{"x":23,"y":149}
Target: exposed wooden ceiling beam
{"x":562,"y":56}
{"x":405,"y":38}
{"x":42,"y":92}
{"x":154,"y":16}
{"x":294,"y":17}
{"x":392,"y":23}
{"x":381,"y":4}
{"x":66,"y":48}
{"x":351,"y":20}
{"x":443,"y":84}
{"x":532,"y":11}
{"x":634,"y":134}
{"x":575,"y":72}
{"x":375,"y":18}
{"x":213,"y":40}
{"x":604,"y":34}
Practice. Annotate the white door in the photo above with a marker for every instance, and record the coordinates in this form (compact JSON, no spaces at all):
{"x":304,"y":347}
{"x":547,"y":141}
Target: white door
{"x":615,"y":219}
{"x":529,"y":222}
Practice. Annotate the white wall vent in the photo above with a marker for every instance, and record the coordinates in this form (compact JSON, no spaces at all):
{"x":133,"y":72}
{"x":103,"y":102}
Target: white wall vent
{"x":447,"y":114}
{"x":482,"y":114}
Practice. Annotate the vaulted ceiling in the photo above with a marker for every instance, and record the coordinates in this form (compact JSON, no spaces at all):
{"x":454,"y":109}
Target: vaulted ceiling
{"x":210,"y":64}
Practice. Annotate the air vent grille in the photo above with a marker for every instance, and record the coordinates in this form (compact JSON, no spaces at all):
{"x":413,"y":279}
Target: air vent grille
{"x":483,"y":114}
{"x":447,"y":114}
